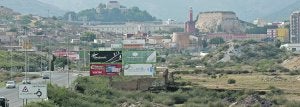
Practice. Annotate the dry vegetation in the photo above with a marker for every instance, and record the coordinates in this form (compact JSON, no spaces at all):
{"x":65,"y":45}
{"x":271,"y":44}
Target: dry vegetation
{"x":289,"y":84}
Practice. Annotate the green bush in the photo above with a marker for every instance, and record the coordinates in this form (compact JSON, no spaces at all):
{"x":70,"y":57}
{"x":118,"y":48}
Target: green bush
{"x":292,"y":104}
{"x":41,"y":104}
{"x":275,"y":91}
{"x":168,"y":102}
{"x":179,"y":98}
{"x":231,"y":81}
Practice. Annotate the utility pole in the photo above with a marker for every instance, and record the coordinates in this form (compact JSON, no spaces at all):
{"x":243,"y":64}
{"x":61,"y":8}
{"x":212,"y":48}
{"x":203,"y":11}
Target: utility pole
{"x":68,"y":59}
{"x":10,"y":58}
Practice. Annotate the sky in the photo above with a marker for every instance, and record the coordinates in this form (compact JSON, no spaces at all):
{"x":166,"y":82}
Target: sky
{"x":178,"y":9}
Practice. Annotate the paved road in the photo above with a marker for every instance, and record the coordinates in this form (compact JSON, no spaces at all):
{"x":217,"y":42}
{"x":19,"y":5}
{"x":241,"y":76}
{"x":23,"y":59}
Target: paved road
{"x":59,"y":78}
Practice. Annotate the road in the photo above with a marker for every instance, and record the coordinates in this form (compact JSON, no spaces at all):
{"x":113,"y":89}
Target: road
{"x":59,"y":78}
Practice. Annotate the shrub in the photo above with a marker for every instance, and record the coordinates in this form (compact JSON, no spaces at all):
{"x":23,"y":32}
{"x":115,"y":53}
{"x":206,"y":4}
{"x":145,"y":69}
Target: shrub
{"x":216,"y":104}
{"x":179,"y":98}
{"x":279,"y":100}
{"x":275,"y":91}
{"x":41,"y":104}
{"x":293,"y":104}
{"x":231,"y":81}
{"x":168,"y":102}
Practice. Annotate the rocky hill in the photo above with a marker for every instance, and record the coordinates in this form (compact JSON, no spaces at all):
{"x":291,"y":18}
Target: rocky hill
{"x":220,"y":21}
{"x":284,"y":13}
{"x":247,"y":55}
{"x":292,"y":63}
{"x":7,"y":11}
{"x":34,"y":7}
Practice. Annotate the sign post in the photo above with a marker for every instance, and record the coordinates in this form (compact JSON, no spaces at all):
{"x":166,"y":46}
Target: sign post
{"x":33,"y":91}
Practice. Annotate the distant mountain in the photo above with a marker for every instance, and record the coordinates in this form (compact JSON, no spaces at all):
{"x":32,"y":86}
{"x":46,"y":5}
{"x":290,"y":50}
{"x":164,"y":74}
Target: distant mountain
{"x":34,"y":7}
{"x":178,"y":9}
{"x":284,"y":14}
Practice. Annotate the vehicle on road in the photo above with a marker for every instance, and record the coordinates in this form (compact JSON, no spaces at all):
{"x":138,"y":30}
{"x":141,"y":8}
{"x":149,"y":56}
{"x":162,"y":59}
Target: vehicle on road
{"x":10,"y":84}
{"x":46,"y":74}
{"x":26,"y":81}
{"x":4,"y":102}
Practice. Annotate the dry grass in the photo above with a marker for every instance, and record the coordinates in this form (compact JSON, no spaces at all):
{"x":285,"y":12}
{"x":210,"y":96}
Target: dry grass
{"x":289,"y":84}
{"x":2,"y":84}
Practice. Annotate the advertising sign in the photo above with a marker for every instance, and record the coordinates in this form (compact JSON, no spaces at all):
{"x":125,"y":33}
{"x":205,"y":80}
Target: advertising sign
{"x":32,"y":91}
{"x":138,"y":69}
{"x":137,"y":57}
{"x":105,"y":69}
{"x":106,"y":57}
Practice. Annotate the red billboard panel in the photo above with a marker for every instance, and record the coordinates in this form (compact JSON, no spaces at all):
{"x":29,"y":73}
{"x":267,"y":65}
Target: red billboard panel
{"x":105,"y":69}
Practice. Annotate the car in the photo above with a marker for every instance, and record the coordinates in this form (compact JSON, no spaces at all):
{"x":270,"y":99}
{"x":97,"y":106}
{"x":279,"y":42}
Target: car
{"x":79,"y":75}
{"x":46,"y":75}
{"x":10,"y":84}
{"x":4,"y":102}
{"x":26,"y":81}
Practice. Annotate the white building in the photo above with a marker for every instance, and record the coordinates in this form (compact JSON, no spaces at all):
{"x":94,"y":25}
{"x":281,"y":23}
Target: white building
{"x":113,"y":4}
{"x":260,"y":22}
{"x":132,"y":28}
{"x":292,"y":47}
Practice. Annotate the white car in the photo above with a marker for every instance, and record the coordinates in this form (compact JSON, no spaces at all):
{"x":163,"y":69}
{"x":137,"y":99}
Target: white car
{"x":10,"y":84}
{"x":26,"y":81}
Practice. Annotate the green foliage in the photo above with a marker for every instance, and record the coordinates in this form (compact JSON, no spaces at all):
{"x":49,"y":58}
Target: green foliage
{"x":217,"y":40}
{"x":111,"y":15}
{"x":88,"y":36}
{"x":96,"y":92}
{"x":41,"y":104}
{"x":259,"y":30}
{"x":62,"y":61}
{"x":275,"y":91}
{"x":25,"y":19}
{"x":71,"y":15}
{"x":264,"y":65}
{"x":231,"y":81}
{"x":18,"y":60}
{"x":293,"y":104}
{"x":13,"y":29}
{"x":179,"y":98}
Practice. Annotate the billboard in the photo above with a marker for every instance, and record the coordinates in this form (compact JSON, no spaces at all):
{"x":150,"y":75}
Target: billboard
{"x":106,"y":57}
{"x":138,"y":69}
{"x":105,"y":69}
{"x":138,"y":57}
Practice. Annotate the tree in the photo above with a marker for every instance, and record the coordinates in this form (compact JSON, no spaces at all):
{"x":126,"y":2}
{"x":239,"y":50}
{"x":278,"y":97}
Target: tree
{"x":111,"y":15}
{"x":25,"y":19}
{"x":71,"y":15}
{"x":88,"y":36}
{"x":217,"y":40}
{"x":176,"y":30}
{"x":62,"y":62}
{"x":204,"y":43}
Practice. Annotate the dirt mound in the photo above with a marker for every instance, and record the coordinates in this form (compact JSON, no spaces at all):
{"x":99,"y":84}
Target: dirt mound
{"x":292,"y":63}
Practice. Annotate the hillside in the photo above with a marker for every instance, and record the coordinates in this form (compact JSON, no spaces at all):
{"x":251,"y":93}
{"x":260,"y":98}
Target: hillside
{"x":34,"y":7}
{"x":284,"y":13}
{"x":177,"y":9}
{"x":247,"y":55}
{"x":292,"y":63}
